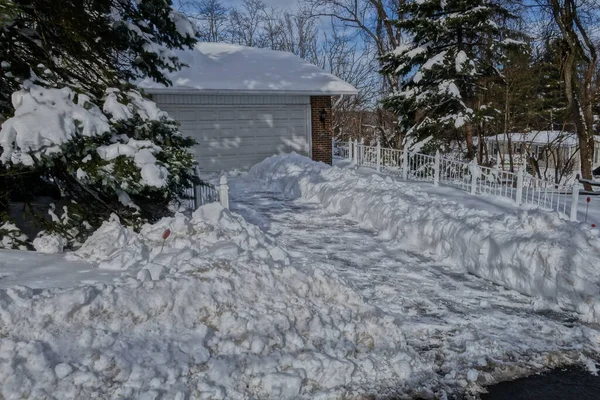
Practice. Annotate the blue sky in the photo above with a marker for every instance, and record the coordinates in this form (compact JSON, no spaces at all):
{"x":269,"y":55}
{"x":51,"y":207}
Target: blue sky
{"x":282,"y":4}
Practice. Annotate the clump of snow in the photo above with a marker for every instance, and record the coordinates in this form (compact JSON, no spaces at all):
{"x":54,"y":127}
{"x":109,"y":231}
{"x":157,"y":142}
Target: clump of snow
{"x":533,"y":252}
{"x":113,"y":246}
{"x":49,"y":243}
{"x":438,"y":59}
{"x":136,"y":104}
{"x":11,"y":237}
{"x":184,"y":26}
{"x":461,"y":58}
{"x":44,"y":119}
{"x":142,"y":152}
{"x":219,"y":312}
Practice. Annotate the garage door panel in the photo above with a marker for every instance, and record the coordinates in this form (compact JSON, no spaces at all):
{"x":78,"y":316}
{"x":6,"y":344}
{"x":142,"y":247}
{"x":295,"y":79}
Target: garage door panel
{"x":241,"y":136}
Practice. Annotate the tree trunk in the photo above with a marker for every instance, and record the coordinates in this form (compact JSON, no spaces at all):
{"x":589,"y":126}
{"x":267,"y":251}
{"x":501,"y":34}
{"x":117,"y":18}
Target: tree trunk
{"x":469,"y":140}
{"x":510,"y":153}
{"x":579,"y":68}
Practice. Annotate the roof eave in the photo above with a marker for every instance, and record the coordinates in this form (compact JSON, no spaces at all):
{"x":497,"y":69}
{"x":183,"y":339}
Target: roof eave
{"x":171,"y":90}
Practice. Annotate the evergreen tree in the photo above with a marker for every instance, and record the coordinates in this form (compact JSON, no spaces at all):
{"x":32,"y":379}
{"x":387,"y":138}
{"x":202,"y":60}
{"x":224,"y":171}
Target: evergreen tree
{"x":75,"y":128}
{"x":89,"y":44}
{"x":457,"y":47}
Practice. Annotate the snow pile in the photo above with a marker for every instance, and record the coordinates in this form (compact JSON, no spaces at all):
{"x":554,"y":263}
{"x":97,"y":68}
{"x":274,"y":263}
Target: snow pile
{"x":44,"y":120}
{"x":49,"y":243}
{"x":534,"y":252}
{"x":219,"y":312}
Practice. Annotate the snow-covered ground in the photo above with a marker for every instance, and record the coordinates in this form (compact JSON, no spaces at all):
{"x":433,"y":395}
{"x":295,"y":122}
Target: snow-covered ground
{"x":321,"y":282}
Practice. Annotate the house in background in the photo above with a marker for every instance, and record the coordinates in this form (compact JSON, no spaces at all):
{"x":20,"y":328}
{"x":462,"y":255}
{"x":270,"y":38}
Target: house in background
{"x":244,"y":104}
{"x":551,"y":149}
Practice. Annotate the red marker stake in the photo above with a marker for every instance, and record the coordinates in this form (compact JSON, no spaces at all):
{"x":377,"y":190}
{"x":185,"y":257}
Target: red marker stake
{"x":165,"y":235}
{"x":587,"y":205}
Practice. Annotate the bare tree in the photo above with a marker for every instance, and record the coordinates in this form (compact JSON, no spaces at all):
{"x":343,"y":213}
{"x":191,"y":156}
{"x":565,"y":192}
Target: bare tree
{"x":211,"y":18}
{"x":579,"y":70}
{"x":300,"y":35}
{"x":273,"y":30}
{"x":344,"y":56}
{"x":372,"y":18}
{"x":246,"y":22}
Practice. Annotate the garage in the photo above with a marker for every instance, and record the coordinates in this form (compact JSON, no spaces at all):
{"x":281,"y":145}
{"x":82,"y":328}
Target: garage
{"x":239,"y":136}
{"x":244,"y":104}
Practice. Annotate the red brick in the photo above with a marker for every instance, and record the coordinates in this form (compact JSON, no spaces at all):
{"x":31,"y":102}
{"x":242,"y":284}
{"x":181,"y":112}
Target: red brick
{"x":321,"y":131}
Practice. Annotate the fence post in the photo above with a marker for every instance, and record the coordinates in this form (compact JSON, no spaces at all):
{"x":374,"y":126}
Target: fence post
{"x":473,"y":168}
{"x":436,"y":169}
{"x":224,"y":192}
{"x":575,"y":200}
{"x":350,"y":149}
{"x":355,"y":153}
{"x":405,"y":163}
{"x":519,"y":196}
{"x":378,"y":156}
{"x":332,"y":146}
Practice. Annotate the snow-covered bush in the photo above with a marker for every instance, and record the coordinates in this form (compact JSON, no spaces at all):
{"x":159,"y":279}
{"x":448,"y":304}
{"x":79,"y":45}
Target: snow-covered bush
{"x":11,"y":237}
{"x":74,"y":129}
{"x":128,"y":158}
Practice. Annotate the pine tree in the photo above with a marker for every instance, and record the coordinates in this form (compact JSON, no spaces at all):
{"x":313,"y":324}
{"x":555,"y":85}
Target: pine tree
{"x":457,"y":47}
{"x":75,"y":127}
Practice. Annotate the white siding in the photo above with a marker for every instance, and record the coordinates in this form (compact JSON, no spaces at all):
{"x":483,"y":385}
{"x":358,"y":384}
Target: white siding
{"x":238,"y":133}
{"x":212,"y":99}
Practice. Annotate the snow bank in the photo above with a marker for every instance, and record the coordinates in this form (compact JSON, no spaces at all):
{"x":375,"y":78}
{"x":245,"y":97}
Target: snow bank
{"x":534,"y":252}
{"x":219,"y":312}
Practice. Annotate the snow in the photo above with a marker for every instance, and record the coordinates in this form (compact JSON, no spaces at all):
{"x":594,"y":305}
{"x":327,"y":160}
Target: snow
{"x":12,"y":237}
{"x":539,"y":138}
{"x":44,"y":271}
{"x":49,"y":243}
{"x":136,"y":104}
{"x":45,"y":119}
{"x":449,"y":87}
{"x":219,"y":312}
{"x":142,"y":152}
{"x":229,"y":67}
{"x":438,"y":59}
{"x":461,"y":58}
{"x":534,"y":252}
{"x":320,"y":283}
{"x":183,"y":25}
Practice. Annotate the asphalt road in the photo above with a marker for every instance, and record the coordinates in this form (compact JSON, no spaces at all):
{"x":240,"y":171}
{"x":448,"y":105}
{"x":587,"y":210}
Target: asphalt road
{"x":558,"y":384}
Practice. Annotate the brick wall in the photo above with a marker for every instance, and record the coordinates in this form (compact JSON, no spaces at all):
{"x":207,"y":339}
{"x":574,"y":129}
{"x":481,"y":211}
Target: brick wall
{"x":321,"y":131}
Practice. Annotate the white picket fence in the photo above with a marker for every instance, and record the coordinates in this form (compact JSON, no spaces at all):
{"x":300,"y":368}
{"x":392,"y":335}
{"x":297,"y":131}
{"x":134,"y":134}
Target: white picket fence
{"x":206,"y":193}
{"x":520,"y":187}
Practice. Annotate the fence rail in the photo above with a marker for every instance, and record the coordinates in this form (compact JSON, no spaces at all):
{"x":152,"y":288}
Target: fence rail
{"x":519,"y":186}
{"x":206,"y":193}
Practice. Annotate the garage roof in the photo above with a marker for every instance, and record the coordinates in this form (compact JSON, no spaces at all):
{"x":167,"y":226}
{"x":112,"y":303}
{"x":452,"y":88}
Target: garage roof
{"x":220,"y":67}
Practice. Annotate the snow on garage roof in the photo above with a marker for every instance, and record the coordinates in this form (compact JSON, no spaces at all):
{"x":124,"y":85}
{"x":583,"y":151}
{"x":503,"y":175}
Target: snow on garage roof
{"x":220,"y":67}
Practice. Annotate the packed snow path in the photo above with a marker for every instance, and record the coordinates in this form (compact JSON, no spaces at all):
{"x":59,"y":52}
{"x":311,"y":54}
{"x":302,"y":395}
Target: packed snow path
{"x":454,"y":320}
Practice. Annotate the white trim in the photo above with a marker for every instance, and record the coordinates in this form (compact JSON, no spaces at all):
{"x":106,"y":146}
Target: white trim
{"x":172,"y":90}
{"x":229,"y":99}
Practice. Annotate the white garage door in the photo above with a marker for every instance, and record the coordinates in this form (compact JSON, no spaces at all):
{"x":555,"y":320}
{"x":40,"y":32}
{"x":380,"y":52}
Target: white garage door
{"x":239,"y":136}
